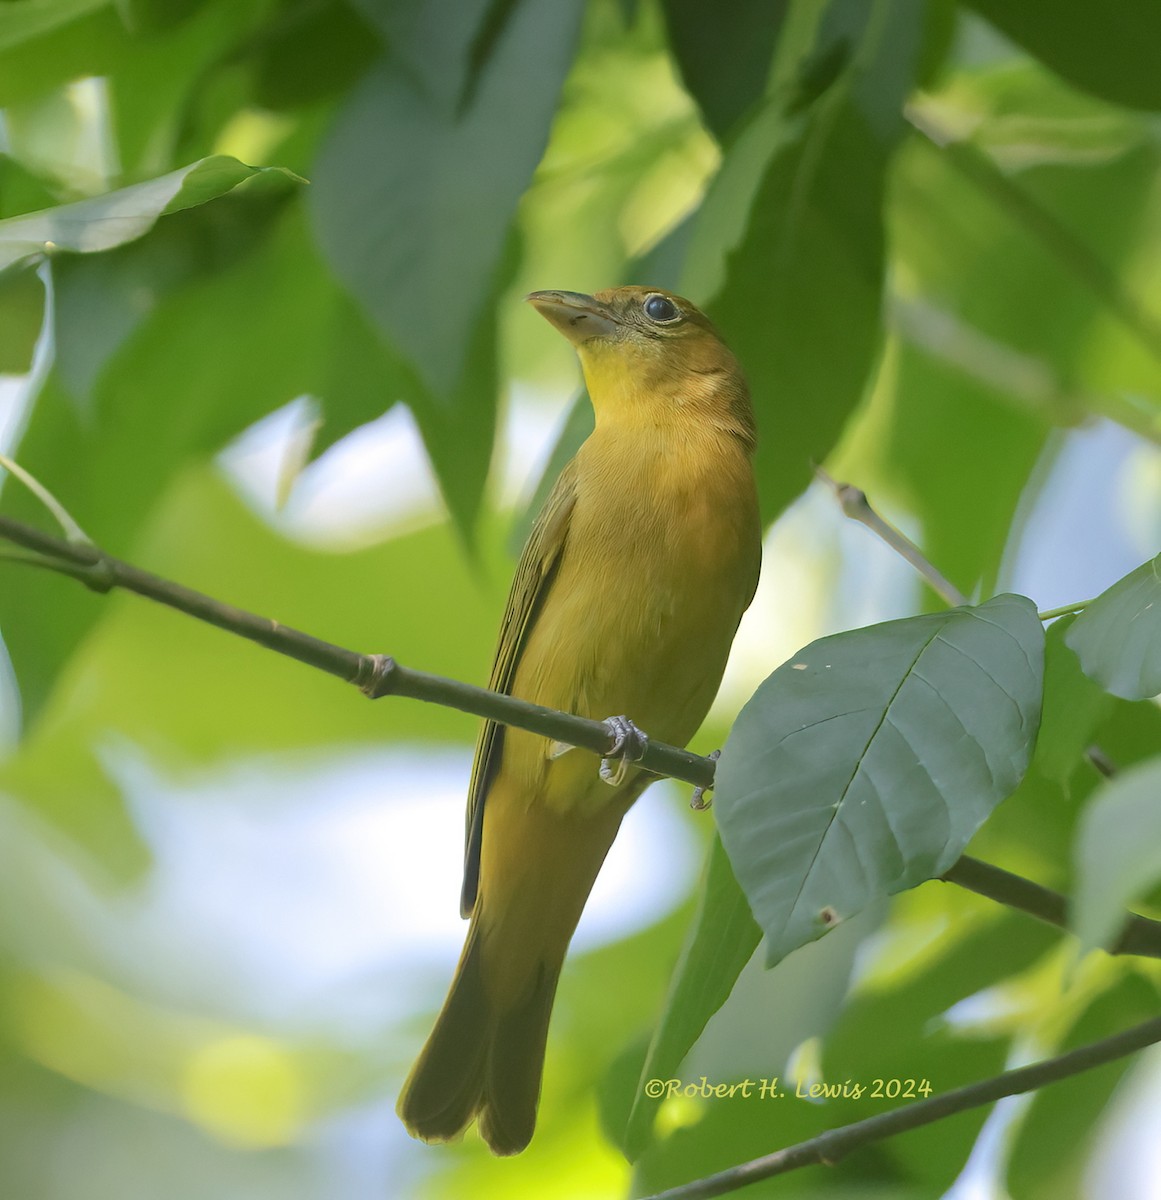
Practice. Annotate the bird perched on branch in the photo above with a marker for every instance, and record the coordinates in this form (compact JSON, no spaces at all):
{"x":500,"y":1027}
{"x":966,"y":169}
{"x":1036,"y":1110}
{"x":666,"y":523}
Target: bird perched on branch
{"x":626,"y":599}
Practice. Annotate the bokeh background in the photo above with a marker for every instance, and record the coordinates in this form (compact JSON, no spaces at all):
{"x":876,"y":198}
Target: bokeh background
{"x":228,"y":885}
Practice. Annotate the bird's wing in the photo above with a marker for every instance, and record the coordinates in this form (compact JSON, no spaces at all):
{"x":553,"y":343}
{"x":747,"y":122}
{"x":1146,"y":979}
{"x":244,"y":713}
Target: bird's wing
{"x":534,"y":575}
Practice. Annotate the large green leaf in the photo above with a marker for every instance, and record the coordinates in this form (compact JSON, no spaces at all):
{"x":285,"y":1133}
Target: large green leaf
{"x":1118,"y":636}
{"x":724,"y":54}
{"x":413,"y":204}
{"x":721,"y":940}
{"x":118,"y":217}
{"x":1112,"y":57}
{"x":1117,"y":855}
{"x":865,"y":764}
{"x":790,"y":240}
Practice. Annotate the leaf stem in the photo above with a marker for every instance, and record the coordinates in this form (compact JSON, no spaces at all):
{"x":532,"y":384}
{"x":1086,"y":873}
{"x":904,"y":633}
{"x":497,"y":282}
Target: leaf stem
{"x":829,"y":1147}
{"x":1051,"y":614}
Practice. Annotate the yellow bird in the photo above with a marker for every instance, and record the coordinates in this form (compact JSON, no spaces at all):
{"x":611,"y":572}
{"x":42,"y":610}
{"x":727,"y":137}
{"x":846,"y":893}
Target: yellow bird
{"x":625,"y":601}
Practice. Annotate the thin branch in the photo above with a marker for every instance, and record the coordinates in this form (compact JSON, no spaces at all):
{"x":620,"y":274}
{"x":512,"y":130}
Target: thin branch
{"x":1139,"y":935}
{"x":854,"y":503}
{"x":378,"y":675}
{"x":828,"y":1148}
{"x":374,"y":674}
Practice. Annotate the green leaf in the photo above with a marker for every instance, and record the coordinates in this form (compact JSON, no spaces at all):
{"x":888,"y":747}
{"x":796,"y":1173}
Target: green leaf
{"x":413,"y":206}
{"x":1118,"y":636}
{"x":865,"y":764}
{"x":1112,"y":57}
{"x":721,"y":940}
{"x":724,"y":54}
{"x":1053,"y":1141}
{"x":30,"y":19}
{"x":21,"y":316}
{"x":107,"y":435}
{"x":1073,"y":706}
{"x":316,"y":51}
{"x":118,"y":217}
{"x":151,"y":16}
{"x":805,"y":188}
{"x":56,"y":43}
{"x":1117,"y":855}
{"x":578,"y":424}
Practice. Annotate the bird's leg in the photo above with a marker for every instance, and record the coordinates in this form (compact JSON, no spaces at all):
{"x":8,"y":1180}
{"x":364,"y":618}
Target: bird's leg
{"x":628,"y":746}
{"x":697,"y":801}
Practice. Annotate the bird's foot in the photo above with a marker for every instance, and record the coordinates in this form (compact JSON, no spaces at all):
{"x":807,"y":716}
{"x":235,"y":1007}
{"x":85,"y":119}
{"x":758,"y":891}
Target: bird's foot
{"x":629,"y":745}
{"x":698,"y":801}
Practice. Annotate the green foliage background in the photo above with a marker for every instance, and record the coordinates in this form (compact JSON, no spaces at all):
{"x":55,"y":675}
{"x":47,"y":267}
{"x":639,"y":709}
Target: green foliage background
{"x":931,"y":232}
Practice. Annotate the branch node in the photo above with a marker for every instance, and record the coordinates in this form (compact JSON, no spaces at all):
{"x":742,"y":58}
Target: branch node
{"x":99,"y":576}
{"x":376,"y":675}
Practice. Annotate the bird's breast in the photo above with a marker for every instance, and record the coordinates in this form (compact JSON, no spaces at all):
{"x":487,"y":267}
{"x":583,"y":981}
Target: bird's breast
{"x":660,"y":561}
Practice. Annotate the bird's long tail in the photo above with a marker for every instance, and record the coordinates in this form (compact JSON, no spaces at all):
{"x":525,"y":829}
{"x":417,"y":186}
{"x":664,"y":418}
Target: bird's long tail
{"x":484,"y":1057}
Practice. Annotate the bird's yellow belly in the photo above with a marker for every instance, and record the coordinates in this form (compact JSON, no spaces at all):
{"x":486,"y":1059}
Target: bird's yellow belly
{"x":682,"y":575}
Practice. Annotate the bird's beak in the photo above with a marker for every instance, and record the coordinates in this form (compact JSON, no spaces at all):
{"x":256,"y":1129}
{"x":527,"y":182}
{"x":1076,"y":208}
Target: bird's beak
{"x":579,"y":317}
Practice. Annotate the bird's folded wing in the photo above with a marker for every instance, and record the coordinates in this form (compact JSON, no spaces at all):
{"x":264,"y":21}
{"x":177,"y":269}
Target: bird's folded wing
{"x":534,"y":576}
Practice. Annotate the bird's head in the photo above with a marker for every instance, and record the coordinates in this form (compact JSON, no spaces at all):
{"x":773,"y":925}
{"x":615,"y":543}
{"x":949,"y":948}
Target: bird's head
{"x":645,"y":351}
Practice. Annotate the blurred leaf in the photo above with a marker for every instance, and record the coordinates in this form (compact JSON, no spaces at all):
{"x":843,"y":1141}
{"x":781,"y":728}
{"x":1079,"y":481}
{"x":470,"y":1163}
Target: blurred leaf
{"x":316,"y":51}
{"x":799,"y":298}
{"x":864,"y":765}
{"x":30,"y":19}
{"x":418,"y":230}
{"x":1117,"y":855}
{"x":898,"y":1028}
{"x":721,"y":940}
{"x":122,"y":216}
{"x":724,"y":54}
{"x":1118,"y":636}
{"x":1112,"y":57}
{"x":301,"y":338}
{"x":1034,"y":255}
{"x":163,"y":98}
{"x":924,"y":403}
{"x":20,"y":190}
{"x":1055,"y":1138}
{"x":21,"y":315}
{"x":431,"y":41}
{"x":150,"y":16}
{"x":59,"y":42}
{"x":1073,"y":707}
{"x":578,"y":424}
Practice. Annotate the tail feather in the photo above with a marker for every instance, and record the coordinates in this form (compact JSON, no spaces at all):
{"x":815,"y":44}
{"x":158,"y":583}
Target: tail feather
{"x":444,"y":1091}
{"x":515,"y":1062}
{"x":477,"y":1063}
{"x":484,"y":1057}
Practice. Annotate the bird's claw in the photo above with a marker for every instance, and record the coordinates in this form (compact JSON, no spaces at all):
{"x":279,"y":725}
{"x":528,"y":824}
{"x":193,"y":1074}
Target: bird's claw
{"x":629,"y":745}
{"x":697,"y":801}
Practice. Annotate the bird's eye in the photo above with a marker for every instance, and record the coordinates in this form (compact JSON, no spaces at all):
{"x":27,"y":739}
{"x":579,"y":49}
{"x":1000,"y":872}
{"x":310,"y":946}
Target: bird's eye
{"x":661,"y":310}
